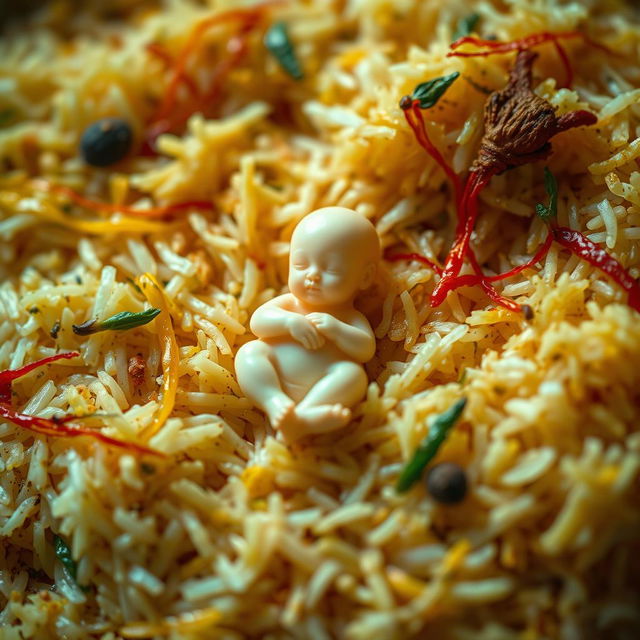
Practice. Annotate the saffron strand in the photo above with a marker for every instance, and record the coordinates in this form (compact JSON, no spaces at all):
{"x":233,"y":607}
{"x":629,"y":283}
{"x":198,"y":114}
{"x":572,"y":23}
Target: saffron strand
{"x":107,"y":207}
{"x":395,"y":257}
{"x":60,"y":428}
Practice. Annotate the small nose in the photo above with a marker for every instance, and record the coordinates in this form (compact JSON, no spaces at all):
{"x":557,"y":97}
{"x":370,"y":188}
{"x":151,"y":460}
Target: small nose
{"x":313,"y":275}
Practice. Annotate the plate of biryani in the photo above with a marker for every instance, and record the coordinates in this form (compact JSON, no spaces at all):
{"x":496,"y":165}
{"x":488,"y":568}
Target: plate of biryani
{"x":156,"y":157}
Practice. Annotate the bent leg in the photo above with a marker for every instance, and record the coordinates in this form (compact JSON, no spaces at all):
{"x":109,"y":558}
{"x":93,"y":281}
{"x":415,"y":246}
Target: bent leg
{"x":327,"y":405}
{"x":260,"y":382}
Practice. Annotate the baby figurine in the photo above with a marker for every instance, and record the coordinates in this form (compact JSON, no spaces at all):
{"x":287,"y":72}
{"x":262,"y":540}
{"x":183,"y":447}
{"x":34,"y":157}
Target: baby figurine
{"x":305,"y":369}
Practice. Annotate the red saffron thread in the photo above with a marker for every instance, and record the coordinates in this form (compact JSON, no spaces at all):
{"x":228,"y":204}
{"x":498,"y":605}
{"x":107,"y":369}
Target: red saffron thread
{"x":107,"y":207}
{"x":581,"y":246}
{"x":470,"y":279}
{"x":493,"y":47}
{"x":413,"y":116}
{"x":468,"y":212}
{"x":54,"y":426}
{"x":162,"y":54}
{"x":167,"y":116}
{"x":9,"y":375}
{"x":59,"y":428}
{"x":395,"y":257}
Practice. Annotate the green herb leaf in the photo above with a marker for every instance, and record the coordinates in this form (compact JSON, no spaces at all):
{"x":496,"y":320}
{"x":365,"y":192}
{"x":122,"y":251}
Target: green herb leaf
{"x":6,"y":115}
{"x":429,"y":447}
{"x":466,"y":25}
{"x":428,"y":93}
{"x":63,"y":553}
{"x":279,"y":45}
{"x":120,"y":322}
{"x":551,"y":186}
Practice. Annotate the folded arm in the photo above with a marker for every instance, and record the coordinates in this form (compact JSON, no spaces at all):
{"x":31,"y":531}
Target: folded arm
{"x":273,"y":320}
{"x":355,"y":340}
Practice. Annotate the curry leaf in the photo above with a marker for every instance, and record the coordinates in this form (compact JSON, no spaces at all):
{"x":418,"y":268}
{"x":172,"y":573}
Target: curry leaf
{"x":428,"y":93}
{"x":466,"y":25}
{"x":429,"y":447}
{"x":6,"y":115}
{"x":279,"y":45}
{"x":551,"y":187}
{"x":63,"y":553}
{"x":120,"y":322}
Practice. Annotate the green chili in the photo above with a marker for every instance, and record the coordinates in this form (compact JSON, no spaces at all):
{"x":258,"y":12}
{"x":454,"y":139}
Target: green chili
{"x":120,"y":322}
{"x":279,"y":45}
{"x":63,"y":553}
{"x":551,"y":187}
{"x":429,"y":447}
{"x":466,"y":25}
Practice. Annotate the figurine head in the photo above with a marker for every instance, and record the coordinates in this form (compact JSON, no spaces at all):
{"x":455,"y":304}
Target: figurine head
{"x":334,"y":253}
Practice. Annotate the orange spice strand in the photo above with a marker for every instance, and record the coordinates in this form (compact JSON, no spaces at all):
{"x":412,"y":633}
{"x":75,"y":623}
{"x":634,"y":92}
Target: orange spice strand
{"x":493,"y":47}
{"x":106,"y":207}
{"x":167,"y":117}
{"x":521,"y":44}
{"x":162,"y":54}
{"x":9,"y":375}
{"x":59,"y":427}
{"x":54,"y":426}
{"x":413,"y":116}
{"x":395,"y":257}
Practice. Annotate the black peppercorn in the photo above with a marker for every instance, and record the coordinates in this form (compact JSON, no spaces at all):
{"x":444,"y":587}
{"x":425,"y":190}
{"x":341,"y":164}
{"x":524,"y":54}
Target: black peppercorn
{"x":447,"y":483}
{"x":106,"y":142}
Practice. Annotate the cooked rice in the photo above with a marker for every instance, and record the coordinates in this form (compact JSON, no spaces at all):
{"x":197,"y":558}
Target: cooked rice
{"x":233,"y":534}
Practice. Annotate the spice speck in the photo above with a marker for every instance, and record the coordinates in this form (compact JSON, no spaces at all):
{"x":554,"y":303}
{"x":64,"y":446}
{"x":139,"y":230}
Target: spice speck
{"x":447,"y":483}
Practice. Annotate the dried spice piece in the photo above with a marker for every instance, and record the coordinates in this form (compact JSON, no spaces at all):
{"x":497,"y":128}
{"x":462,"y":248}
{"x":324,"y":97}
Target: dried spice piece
{"x":277,"y":41}
{"x":447,"y":483}
{"x":122,"y":321}
{"x":137,"y":367}
{"x":106,"y":142}
{"x":520,"y":124}
{"x":518,"y":128}
{"x":55,"y":329}
{"x":429,"y":446}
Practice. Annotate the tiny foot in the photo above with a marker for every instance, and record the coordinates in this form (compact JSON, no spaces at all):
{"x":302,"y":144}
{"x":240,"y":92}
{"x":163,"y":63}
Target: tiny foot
{"x":279,"y":410}
{"x":326,"y":417}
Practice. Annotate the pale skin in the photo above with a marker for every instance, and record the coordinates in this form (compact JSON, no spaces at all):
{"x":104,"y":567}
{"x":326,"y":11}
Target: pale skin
{"x":305,"y":369}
